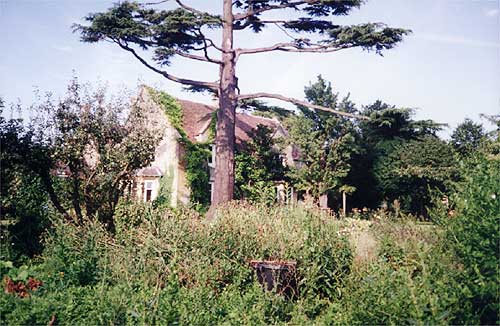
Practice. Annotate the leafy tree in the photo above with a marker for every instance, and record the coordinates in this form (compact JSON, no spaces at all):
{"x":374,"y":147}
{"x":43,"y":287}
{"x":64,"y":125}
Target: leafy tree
{"x":387,"y":128}
{"x":490,"y":146}
{"x":137,"y":28}
{"x":473,"y":235}
{"x":23,"y":200}
{"x":258,"y":166}
{"x":467,"y":137}
{"x":325,"y":142}
{"x":94,"y":145}
{"x":495,"y":120}
{"x":389,"y":123}
{"x":413,"y":169}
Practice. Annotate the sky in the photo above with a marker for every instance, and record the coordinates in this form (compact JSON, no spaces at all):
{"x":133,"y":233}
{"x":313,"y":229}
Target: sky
{"x":448,"y":69}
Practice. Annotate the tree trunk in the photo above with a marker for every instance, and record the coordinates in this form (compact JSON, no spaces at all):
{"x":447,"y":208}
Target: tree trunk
{"x":75,"y":193}
{"x":224,"y":142}
{"x":47,"y":183}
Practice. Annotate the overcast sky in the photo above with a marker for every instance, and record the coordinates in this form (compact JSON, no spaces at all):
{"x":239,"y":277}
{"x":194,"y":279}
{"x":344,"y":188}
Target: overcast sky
{"x":448,"y":69}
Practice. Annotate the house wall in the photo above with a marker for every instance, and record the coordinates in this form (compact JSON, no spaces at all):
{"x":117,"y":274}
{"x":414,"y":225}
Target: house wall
{"x":167,"y":160}
{"x":169,"y":152}
{"x":182,"y":189}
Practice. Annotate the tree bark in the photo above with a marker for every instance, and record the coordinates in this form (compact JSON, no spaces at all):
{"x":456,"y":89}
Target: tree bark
{"x":224,"y":142}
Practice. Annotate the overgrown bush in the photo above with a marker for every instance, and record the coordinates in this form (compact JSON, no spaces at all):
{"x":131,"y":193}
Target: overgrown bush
{"x":411,"y":281}
{"x":473,"y":235}
{"x":174,"y":267}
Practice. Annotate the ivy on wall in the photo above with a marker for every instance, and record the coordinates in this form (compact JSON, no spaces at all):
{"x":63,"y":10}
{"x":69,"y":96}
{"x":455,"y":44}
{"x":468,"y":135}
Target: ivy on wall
{"x":197,"y":171}
{"x":196,"y":155}
{"x":258,"y":166}
{"x":212,"y":129}
{"x":165,"y":192}
{"x":171,"y":108}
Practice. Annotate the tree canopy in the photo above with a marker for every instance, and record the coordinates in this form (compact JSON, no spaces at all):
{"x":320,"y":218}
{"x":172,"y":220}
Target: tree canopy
{"x":467,"y":137}
{"x":83,"y":148}
{"x":324,"y":141}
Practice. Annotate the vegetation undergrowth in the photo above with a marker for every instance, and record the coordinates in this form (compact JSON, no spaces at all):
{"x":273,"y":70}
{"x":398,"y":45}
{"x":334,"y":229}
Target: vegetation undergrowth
{"x":174,"y":267}
{"x":174,"y":264}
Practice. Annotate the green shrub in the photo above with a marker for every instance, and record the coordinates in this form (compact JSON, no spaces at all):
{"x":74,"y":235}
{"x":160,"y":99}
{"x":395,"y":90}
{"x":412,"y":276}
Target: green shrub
{"x":71,"y":306}
{"x":173,"y":267}
{"x":130,"y":214}
{"x":413,"y":281}
{"x":74,"y":255}
{"x":421,"y":292}
{"x":473,"y":234}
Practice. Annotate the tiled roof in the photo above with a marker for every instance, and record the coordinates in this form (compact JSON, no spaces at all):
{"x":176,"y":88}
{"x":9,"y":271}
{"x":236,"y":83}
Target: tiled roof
{"x":245,"y":123}
{"x":150,"y":171}
{"x":197,"y":116}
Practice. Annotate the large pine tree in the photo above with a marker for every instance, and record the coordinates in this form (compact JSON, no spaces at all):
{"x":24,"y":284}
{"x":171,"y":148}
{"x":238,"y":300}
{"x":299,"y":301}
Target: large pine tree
{"x":136,"y":28}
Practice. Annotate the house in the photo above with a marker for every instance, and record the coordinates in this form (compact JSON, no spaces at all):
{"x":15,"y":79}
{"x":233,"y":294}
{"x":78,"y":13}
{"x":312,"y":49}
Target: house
{"x":168,"y":165}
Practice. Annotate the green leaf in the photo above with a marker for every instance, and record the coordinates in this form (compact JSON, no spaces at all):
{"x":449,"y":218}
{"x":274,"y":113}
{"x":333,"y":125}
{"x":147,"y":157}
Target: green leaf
{"x":22,"y":276}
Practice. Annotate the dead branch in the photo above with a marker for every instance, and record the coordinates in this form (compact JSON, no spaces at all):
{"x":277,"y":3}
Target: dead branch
{"x":299,"y":102}
{"x":197,"y":83}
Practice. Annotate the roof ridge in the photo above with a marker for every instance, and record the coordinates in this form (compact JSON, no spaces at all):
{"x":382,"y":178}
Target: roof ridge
{"x":198,"y":103}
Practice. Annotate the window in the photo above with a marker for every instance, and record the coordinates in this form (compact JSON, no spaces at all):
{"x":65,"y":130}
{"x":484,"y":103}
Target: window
{"x":283,"y":160}
{"x":148,"y":190}
{"x":211,"y":183}
{"x":61,"y":173}
{"x":211,"y":159}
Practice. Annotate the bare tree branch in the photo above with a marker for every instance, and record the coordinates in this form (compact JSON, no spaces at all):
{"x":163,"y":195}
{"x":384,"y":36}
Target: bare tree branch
{"x":191,"y":9}
{"x":182,"y":5}
{"x":197,"y":57}
{"x":206,"y":46}
{"x":299,"y":102}
{"x":284,"y":31}
{"x":291,"y":47}
{"x":208,"y":43}
{"x":154,"y":3}
{"x":212,"y":44}
{"x":197,"y":83}
{"x":278,"y":21}
{"x":251,"y":12}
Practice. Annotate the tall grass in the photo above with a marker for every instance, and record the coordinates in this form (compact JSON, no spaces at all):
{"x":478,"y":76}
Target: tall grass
{"x":176,"y":268}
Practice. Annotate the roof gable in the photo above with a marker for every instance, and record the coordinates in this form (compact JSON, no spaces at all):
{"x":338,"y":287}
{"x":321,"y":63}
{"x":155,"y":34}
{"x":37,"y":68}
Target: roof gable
{"x":197,"y":118}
